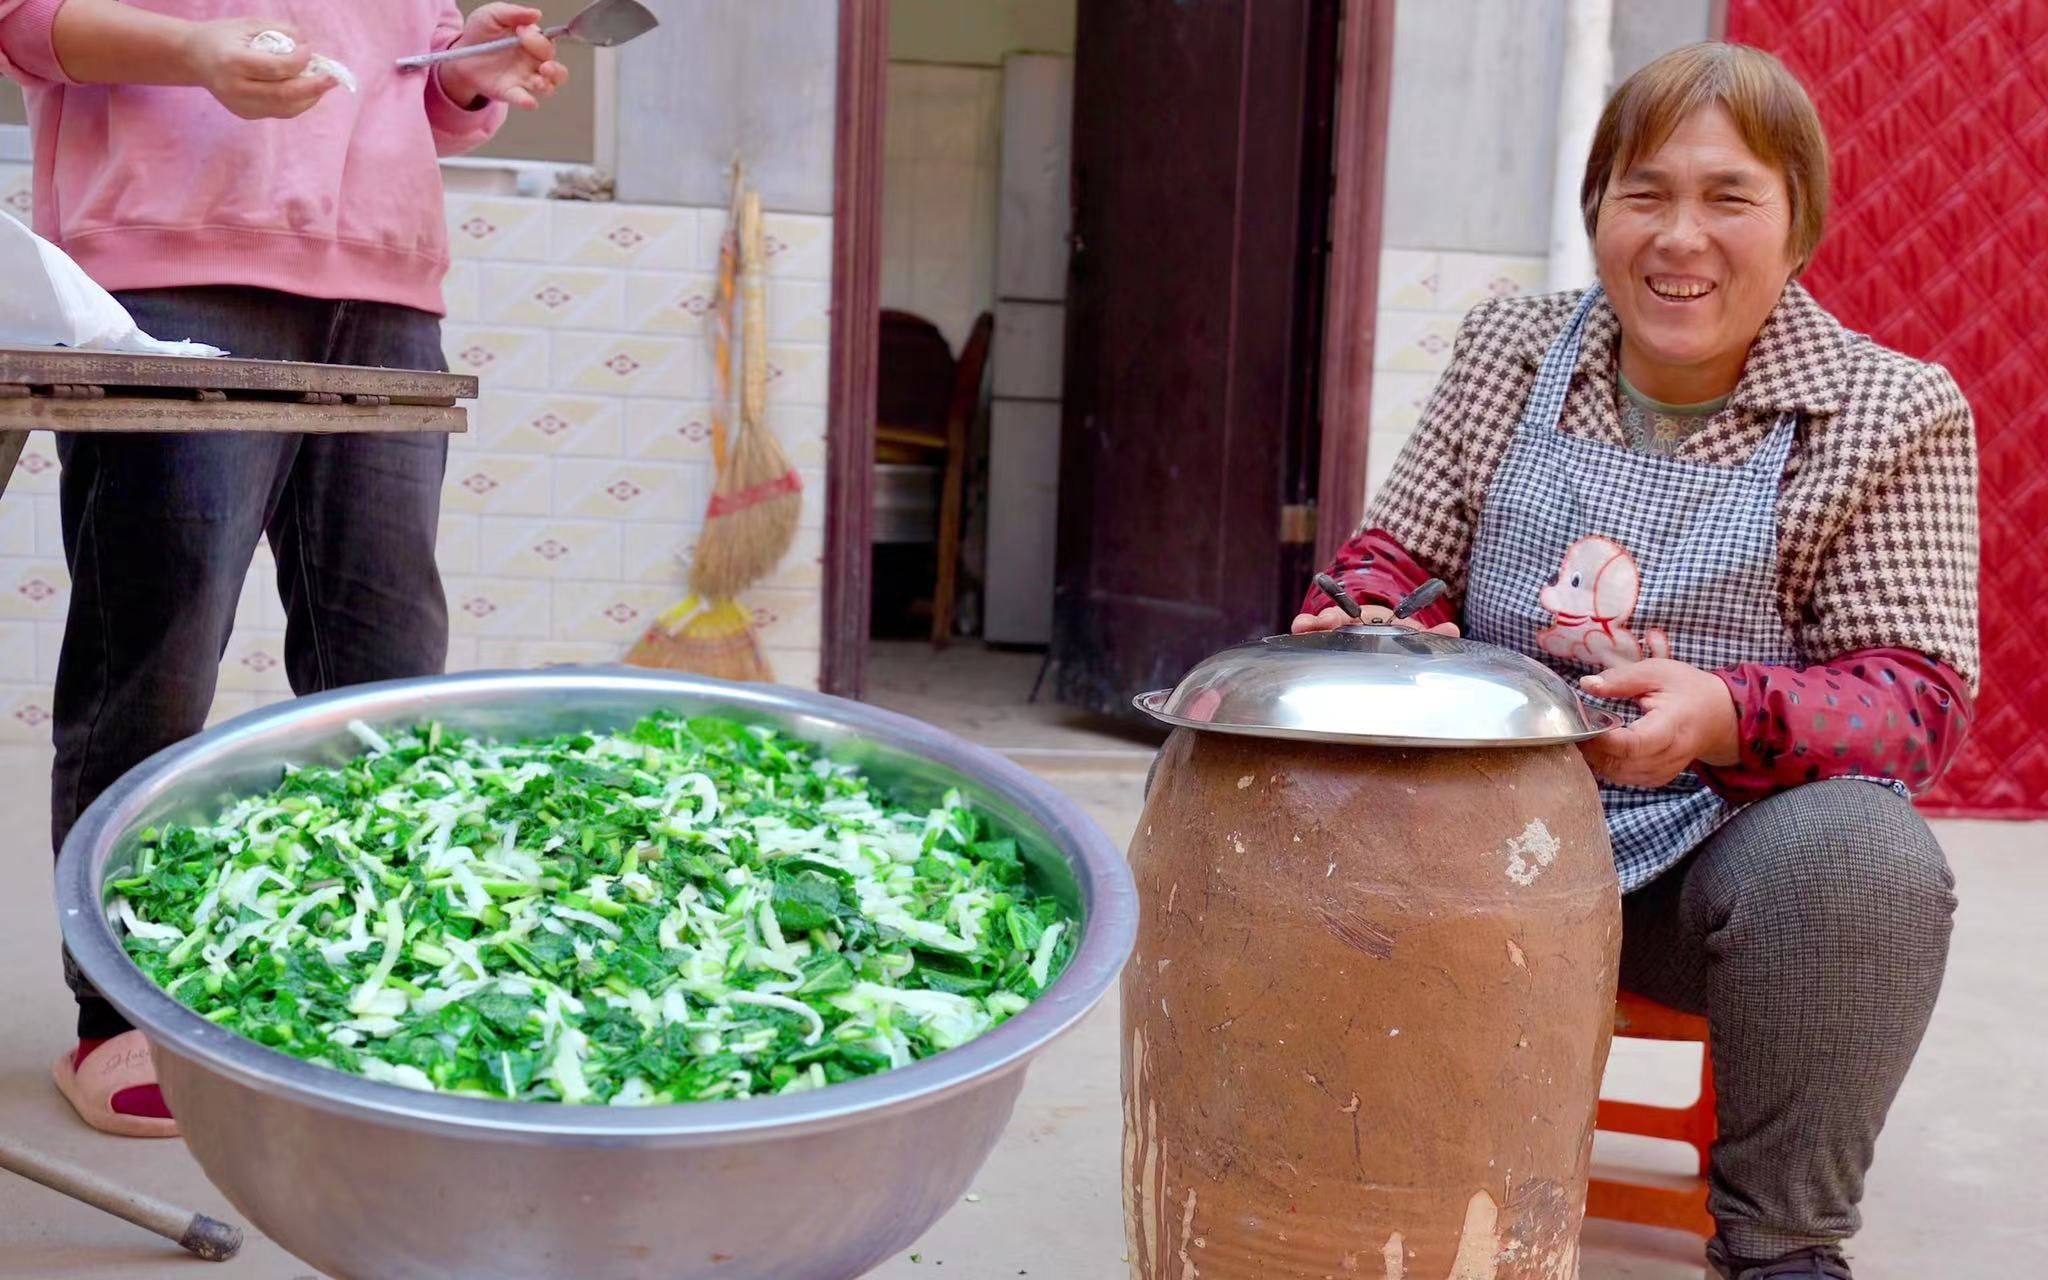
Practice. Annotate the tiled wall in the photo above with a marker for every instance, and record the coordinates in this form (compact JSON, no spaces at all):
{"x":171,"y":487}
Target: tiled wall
{"x":941,"y":168}
{"x":575,"y":500}
{"x":1423,"y":295}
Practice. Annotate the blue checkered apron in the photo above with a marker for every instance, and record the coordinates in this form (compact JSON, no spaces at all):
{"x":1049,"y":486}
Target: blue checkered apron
{"x":1704,"y":541}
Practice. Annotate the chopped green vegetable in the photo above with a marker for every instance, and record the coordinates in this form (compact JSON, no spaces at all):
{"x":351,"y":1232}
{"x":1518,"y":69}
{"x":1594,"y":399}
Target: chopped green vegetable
{"x":692,"y":909}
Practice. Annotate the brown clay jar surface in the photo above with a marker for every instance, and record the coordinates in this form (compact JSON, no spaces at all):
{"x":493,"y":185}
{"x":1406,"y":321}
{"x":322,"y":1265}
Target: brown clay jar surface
{"x":1364,"y":1029}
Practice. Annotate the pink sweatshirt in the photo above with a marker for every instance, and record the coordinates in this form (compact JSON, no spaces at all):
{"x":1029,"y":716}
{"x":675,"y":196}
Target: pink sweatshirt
{"x":152,"y":188}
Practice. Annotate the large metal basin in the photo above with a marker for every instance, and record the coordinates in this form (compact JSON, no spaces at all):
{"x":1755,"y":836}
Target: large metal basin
{"x":373,"y":1182}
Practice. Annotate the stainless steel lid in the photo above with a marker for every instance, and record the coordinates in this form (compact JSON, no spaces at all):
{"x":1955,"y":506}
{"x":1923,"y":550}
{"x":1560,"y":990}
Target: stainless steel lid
{"x":1383,"y":685}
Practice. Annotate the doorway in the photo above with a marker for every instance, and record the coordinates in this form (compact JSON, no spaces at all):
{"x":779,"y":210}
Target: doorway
{"x":1171,"y":226}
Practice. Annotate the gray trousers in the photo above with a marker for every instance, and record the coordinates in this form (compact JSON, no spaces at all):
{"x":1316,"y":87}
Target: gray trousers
{"x":159,"y":530}
{"x":1812,"y":931}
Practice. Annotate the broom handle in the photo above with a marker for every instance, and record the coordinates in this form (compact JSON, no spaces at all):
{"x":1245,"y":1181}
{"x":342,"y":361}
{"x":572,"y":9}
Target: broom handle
{"x":204,"y":1237}
{"x":754,"y":348}
{"x":721,"y":325}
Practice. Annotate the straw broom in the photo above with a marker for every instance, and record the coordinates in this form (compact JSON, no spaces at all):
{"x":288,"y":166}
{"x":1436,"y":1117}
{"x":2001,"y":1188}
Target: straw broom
{"x":715,"y":639}
{"x":752,"y":519}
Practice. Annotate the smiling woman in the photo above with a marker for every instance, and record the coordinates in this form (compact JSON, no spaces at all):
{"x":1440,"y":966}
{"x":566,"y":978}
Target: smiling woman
{"x":1705,"y":192}
{"x":1750,"y":533}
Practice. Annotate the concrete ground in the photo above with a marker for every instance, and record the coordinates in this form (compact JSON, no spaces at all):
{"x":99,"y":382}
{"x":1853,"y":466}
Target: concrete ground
{"x":1949,"y":1197}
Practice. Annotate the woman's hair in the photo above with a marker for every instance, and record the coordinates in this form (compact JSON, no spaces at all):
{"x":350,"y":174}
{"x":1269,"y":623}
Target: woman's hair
{"x":1770,"y":109}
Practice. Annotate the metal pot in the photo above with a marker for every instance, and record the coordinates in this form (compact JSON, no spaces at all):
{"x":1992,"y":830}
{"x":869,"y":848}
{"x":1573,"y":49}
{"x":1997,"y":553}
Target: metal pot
{"x":373,"y":1182}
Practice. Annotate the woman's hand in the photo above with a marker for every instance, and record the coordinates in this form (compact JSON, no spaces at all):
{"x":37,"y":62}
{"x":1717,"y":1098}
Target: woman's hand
{"x":1688,"y":715}
{"x":247,"y":81}
{"x":1333,"y":617}
{"x":520,"y":76}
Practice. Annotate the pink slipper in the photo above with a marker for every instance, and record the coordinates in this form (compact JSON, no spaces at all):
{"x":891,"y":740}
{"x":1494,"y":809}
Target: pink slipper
{"x":91,"y":1086}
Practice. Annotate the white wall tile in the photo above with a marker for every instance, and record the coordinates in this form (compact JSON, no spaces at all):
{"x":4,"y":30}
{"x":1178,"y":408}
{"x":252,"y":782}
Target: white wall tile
{"x":801,"y":428}
{"x":669,"y":302}
{"x":552,"y":297}
{"x":563,"y":425}
{"x":615,"y":612}
{"x":784,"y":618}
{"x":501,"y":607}
{"x":254,"y":662}
{"x":668,"y":430}
{"x":49,"y":650}
{"x":501,"y":484}
{"x":17,"y":651}
{"x":461,"y":291}
{"x":455,"y":550}
{"x":491,"y":227}
{"x":799,"y":310}
{"x":1408,"y":279}
{"x":644,"y":237}
{"x":629,"y":365}
{"x":35,"y":471}
{"x":797,"y":375}
{"x":33,"y":589}
{"x":499,"y":357}
{"x":551,"y":548}
{"x":25,"y":713}
{"x":659,"y":553}
{"x":798,"y":245}
{"x":611,"y":489}
{"x":50,"y":527}
{"x":814,"y":496}
{"x":18,"y":525}
{"x":1468,"y":279}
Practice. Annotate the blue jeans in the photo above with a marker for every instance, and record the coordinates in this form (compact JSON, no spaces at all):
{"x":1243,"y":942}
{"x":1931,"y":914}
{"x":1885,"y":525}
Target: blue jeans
{"x":159,"y":531}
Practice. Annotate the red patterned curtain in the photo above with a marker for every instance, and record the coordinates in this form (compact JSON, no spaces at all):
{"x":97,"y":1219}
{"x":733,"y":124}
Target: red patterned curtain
{"x":1937,"y":113}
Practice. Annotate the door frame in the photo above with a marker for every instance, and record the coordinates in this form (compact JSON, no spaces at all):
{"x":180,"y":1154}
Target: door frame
{"x":1364,"y":84}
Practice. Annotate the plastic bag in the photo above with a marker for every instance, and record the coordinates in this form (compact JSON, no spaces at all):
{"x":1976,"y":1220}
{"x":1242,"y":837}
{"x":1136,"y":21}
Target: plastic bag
{"x":280,"y":43}
{"x":49,"y":301}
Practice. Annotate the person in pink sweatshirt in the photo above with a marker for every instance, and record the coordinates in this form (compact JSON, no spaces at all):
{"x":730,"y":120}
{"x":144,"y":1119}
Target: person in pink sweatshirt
{"x":224,"y":195}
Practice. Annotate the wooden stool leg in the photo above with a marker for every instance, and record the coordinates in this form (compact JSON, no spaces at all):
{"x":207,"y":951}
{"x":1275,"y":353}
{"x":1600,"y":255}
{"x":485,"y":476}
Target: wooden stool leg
{"x":949,"y":543}
{"x":1705,"y":1123}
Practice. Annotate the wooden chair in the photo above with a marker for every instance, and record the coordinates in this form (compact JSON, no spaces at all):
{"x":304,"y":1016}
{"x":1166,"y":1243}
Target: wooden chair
{"x":1683,"y":1207}
{"x":914,"y":428}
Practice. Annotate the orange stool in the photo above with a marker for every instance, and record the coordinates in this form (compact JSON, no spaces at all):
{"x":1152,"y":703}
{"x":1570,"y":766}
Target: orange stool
{"x":1683,"y":1207}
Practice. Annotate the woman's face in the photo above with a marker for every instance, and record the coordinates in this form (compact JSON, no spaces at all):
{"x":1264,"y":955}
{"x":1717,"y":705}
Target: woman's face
{"x":1691,"y":244}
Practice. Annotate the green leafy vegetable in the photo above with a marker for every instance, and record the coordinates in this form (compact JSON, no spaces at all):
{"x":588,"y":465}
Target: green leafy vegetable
{"x":692,"y":909}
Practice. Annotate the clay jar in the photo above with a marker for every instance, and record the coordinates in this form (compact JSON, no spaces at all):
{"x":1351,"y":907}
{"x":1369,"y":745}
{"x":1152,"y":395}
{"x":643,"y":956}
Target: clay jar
{"x":1365,"y":1025}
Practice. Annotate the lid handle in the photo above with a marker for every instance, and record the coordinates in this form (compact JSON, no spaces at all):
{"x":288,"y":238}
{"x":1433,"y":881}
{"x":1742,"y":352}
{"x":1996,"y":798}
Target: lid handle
{"x":1334,"y":589}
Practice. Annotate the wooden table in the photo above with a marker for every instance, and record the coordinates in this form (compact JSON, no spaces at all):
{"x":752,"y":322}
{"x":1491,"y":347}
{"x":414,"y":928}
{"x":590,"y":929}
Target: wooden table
{"x":58,"y":389}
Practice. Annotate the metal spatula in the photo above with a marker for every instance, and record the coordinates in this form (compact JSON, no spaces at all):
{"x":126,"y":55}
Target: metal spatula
{"x":606,"y":24}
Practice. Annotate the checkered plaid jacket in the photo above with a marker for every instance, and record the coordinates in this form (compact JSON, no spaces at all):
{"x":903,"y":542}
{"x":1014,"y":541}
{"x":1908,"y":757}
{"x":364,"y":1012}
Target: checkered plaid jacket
{"x":1878,"y":513}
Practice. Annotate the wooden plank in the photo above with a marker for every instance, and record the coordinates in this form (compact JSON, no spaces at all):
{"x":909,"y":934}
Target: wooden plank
{"x":45,"y":366}
{"x":135,"y":413}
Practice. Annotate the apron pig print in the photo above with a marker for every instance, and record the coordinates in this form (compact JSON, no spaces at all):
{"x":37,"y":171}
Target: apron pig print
{"x":1590,"y":601}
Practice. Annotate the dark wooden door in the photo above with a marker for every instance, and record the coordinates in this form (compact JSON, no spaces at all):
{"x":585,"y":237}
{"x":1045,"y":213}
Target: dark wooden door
{"x":1201,"y":155}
